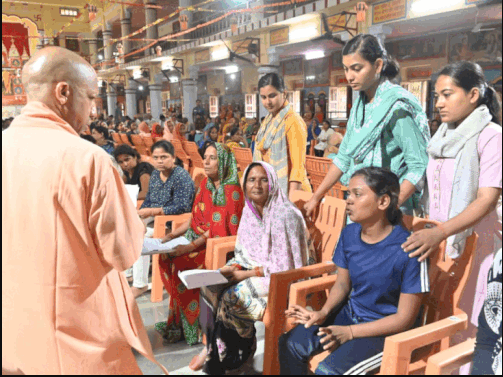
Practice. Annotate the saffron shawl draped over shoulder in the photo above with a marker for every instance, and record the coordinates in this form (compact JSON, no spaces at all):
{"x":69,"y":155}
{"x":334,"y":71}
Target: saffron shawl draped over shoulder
{"x":278,"y":240}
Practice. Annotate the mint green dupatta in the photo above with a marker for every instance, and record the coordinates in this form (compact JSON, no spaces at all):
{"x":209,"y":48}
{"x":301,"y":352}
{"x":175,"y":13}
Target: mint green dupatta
{"x":362,"y":140}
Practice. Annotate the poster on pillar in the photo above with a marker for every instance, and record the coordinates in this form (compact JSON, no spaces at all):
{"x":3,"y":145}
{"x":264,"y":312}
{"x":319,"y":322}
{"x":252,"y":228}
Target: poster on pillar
{"x":213,"y":106}
{"x":251,"y":105}
{"x":18,"y":44}
{"x":293,"y":97}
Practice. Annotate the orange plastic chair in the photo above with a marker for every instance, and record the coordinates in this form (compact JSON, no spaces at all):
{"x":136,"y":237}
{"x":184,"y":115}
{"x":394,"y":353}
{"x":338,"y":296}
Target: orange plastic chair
{"x":157,"y":138}
{"x":140,"y":145}
{"x":148,"y":141}
{"x":160,"y":232}
{"x":117,"y":138}
{"x":407,"y":353}
{"x":446,"y":362}
{"x":148,"y":159}
{"x":243,"y":156}
{"x":325,"y":232}
{"x":193,"y":151}
{"x":311,"y":148}
{"x":317,"y":168}
{"x":180,"y":153}
{"x":125,"y":139}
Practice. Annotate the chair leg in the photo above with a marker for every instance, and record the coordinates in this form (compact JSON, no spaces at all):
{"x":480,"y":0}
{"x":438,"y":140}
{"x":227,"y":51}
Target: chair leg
{"x":157,"y":287}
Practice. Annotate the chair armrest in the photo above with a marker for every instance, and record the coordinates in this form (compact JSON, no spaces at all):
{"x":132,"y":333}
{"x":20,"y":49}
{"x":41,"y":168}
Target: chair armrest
{"x":301,"y":289}
{"x":160,"y":223}
{"x":446,"y":362}
{"x":398,"y":348}
{"x":217,"y":249}
{"x":274,"y":318}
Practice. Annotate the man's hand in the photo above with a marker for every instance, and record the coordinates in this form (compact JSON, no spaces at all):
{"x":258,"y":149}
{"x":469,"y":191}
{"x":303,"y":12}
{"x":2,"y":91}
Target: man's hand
{"x":334,"y":336}
{"x":305,"y":317}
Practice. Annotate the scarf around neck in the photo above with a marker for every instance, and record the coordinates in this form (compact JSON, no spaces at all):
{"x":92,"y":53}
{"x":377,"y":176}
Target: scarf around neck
{"x":461,"y":144}
{"x":365,"y":131}
{"x":272,"y":136}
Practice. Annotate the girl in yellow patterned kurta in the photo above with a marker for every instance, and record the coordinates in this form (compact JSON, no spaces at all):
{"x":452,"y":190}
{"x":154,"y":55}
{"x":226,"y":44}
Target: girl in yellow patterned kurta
{"x":282,"y":138}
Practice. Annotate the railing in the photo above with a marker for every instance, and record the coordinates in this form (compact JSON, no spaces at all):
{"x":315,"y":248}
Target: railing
{"x":217,"y":27}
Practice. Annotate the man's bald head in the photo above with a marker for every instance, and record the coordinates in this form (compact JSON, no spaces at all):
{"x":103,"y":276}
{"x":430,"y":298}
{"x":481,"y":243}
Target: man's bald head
{"x":52,"y":65}
{"x":64,"y":82}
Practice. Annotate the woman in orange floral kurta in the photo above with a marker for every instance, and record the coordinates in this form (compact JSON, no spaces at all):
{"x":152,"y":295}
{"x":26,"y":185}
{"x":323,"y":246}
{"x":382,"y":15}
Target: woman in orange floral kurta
{"x":217,"y":211}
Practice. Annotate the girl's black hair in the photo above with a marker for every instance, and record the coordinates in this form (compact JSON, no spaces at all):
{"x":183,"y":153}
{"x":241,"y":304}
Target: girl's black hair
{"x":88,"y":138}
{"x":234,"y":131}
{"x":104,"y":131}
{"x":127,"y":150}
{"x":384,"y":182}
{"x":469,"y":75}
{"x":371,"y":49}
{"x":272,"y":79}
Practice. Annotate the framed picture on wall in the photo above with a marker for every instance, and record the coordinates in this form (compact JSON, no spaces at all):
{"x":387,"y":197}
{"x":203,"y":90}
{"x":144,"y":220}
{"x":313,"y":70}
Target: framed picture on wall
{"x":292,"y":67}
{"x":317,"y":72}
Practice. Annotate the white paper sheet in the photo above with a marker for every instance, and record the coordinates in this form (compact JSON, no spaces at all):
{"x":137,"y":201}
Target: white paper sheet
{"x":133,"y":191}
{"x":154,"y":245}
{"x":201,"y":278}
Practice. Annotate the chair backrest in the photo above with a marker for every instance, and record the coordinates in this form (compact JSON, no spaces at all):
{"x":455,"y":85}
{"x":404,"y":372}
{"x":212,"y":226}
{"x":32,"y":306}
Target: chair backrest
{"x":317,"y":168}
{"x":158,"y":138}
{"x":325,"y":230}
{"x":448,"y":276}
{"x":117,"y":138}
{"x":148,"y":141}
{"x":243,"y":156}
{"x":180,"y":152}
{"x":125,"y":139}
{"x":193,"y":152}
{"x":139,"y":144}
{"x":145,"y":158}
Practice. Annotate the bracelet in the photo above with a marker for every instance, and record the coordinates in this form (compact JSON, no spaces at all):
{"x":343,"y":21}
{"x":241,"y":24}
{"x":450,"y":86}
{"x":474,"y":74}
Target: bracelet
{"x":238,"y":266}
{"x":193,"y":245}
{"x":351,"y":331}
{"x":442,"y":229}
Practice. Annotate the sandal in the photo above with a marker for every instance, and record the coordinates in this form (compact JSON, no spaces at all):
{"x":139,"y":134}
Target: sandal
{"x":171,"y":334}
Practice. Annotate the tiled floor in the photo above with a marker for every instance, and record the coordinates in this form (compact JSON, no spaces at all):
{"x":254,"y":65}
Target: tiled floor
{"x":176,"y":357}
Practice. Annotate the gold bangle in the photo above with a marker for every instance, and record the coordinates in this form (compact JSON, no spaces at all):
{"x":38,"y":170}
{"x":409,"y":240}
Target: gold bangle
{"x":257,"y":272}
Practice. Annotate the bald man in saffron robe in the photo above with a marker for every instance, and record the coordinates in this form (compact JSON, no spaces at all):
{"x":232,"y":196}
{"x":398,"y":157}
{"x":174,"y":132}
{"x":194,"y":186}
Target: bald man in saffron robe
{"x":68,"y":230}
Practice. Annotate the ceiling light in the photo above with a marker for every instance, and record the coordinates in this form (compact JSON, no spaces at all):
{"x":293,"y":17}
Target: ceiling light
{"x":432,"y":6}
{"x":220,"y":54}
{"x":141,"y":87}
{"x":233,"y":76}
{"x":303,"y":33}
{"x":231,"y":69}
{"x":315,"y":54}
{"x":100,"y":57}
{"x":133,"y":67}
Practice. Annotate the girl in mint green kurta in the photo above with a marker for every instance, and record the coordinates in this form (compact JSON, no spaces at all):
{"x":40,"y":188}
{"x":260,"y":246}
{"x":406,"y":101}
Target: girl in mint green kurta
{"x":393,"y":134}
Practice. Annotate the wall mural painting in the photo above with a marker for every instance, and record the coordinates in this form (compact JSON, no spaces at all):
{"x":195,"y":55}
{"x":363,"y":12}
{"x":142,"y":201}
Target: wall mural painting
{"x":420,"y":48}
{"x":17,"y":48}
{"x":483,"y":47}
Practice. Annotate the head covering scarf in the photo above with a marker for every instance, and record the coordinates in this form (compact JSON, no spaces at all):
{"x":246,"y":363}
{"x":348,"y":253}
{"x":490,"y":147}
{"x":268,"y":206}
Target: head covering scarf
{"x":154,"y":130}
{"x":227,"y":174}
{"x":177,"y":134}
{"x":277,"y":241}
{"x":143,"y":127}
{"x":365,"y":131}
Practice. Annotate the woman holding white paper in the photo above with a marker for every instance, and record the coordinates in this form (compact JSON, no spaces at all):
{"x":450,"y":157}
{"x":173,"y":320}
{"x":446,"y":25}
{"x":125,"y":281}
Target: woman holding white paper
{"x":216,"y":213}
{"x":272,"y":237}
